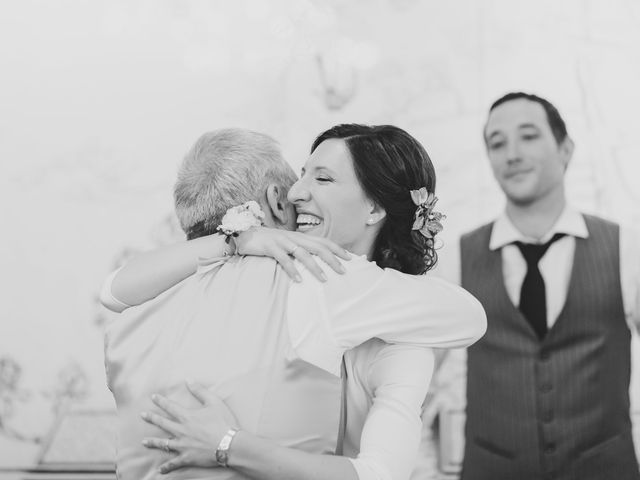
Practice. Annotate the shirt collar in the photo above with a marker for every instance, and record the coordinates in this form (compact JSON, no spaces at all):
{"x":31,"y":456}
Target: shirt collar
{"x":570,"y":222}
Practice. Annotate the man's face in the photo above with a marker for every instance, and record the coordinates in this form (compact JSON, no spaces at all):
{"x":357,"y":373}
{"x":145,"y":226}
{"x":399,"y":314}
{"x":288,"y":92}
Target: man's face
{"x":526,"y":160}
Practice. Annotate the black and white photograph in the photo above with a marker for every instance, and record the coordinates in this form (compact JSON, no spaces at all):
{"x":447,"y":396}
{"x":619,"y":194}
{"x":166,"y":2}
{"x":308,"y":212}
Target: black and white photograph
{"x":320,"y":240}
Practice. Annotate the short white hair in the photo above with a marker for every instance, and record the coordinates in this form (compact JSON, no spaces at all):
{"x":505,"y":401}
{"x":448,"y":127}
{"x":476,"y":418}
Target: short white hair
{"x":223,"y":169}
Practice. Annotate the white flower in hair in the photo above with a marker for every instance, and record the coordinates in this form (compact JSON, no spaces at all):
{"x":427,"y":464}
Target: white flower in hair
{"x":419,"y":196}
{"x":426,"y":220}
{"x":241,"y":218}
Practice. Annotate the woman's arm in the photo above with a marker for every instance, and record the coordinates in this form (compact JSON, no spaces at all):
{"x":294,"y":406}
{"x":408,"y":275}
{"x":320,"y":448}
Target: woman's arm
{"x":327,"y":319}
{"x":397,"y":378}
{"x":197,"y":432}
{"x":409,"y":309}
{"x":262,"y":459}
{"x":149,"y":274}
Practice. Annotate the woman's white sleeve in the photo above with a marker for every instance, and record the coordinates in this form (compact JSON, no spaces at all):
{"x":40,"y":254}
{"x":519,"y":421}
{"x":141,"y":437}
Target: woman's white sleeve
{"x":399,"y":377}
{"x":420,"y":310}
{"x":326,"y":319}
{"x":107,"y":298}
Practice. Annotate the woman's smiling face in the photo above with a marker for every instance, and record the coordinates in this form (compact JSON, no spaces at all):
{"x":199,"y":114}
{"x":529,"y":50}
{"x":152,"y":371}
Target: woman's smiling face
{"x":330,"y":202}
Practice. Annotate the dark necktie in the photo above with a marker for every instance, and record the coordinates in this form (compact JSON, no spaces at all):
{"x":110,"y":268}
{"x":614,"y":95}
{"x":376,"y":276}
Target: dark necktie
{"x":533,"y":301}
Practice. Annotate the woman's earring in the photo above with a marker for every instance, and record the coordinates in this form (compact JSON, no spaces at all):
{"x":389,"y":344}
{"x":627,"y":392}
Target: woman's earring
{"x":371,"y":221}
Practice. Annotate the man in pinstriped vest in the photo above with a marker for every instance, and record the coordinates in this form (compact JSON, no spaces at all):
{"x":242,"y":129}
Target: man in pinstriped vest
{"x":548,"y":385}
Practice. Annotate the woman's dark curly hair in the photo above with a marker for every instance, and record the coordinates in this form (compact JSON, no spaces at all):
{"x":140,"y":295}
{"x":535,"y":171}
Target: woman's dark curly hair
{"x":388,"y":163}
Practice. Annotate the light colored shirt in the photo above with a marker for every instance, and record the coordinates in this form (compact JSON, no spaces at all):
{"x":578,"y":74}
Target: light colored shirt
{"x":326,"y":319}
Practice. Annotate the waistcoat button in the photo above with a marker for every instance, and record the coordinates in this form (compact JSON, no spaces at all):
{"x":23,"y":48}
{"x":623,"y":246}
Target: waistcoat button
{"x":545,"y":387}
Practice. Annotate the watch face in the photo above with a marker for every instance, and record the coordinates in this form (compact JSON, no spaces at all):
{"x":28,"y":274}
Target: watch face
{"x":222,"y":458}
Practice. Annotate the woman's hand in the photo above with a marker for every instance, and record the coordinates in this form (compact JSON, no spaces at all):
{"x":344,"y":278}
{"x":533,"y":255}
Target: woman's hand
{"x":283,"y":246}
{"x":195,"y":433}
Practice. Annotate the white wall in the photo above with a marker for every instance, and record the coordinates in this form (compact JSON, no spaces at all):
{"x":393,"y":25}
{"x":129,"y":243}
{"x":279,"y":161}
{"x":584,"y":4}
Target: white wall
{"x":100,"y":100}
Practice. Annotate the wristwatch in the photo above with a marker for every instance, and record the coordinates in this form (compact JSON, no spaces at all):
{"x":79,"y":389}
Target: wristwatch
{"x":222,"y":452}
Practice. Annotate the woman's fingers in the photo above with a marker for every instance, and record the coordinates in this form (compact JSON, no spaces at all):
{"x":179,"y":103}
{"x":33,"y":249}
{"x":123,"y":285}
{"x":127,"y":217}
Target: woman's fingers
{"x":172,"y":408}
{"x":282,"y":257}
{"x":201,"y":393}
{"x":308,"y":261}
{"x":329,"y":258}
{"x":173,"y":464}
{"x":159,"y":421}
{"x":282,"y":246}
{"x":310,"y":240}
{"x":164,"y":444}
{"x":328,"y":251}
{"x":335,"y":248}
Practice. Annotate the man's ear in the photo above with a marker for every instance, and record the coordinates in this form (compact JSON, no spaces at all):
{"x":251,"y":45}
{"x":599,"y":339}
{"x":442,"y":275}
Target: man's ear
{"x":277,"y":204}
{"x":376,"y":215}
{"x":566,"y":149}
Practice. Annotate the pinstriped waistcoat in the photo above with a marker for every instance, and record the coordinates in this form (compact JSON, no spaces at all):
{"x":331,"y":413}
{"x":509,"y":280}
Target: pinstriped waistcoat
{"x":556,"y":408}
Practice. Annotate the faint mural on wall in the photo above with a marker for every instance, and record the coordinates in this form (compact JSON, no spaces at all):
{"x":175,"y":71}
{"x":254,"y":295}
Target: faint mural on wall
{"x":70,"y":384}
{"x":338,"y":66}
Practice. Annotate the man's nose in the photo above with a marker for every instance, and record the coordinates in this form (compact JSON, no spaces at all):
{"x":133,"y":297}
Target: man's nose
{"x":513,"y":152}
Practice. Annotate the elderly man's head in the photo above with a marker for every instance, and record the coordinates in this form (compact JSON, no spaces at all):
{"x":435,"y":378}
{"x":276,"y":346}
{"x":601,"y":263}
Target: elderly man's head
{"x":226,"y":168}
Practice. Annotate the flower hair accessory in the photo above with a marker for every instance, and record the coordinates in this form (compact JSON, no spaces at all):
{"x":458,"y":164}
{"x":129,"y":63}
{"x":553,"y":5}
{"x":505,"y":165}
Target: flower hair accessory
{"x":426,"y":220}
{"x":240,"y":219}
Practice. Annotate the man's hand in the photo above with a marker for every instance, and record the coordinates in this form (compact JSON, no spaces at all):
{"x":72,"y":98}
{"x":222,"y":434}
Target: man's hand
{"x":284,"y":246}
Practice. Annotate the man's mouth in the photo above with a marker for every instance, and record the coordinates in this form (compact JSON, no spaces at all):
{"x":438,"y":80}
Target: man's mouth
{"x":515,"y":174}
{"x":307,"y":221}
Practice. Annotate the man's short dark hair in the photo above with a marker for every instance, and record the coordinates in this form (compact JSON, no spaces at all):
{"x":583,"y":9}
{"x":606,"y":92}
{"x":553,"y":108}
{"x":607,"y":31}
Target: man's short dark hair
{"x":558,"y":127}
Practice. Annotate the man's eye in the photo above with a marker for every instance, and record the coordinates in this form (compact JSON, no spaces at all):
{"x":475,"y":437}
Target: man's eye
{"x":530,"y":136}
{"x":324,"y":179}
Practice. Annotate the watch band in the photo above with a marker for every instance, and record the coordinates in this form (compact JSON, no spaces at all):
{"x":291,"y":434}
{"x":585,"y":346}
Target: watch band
{"x":222,"y":452}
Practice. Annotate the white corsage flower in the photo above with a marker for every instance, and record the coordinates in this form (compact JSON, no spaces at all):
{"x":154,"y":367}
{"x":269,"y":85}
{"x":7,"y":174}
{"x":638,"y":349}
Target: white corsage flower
{"x":241,"y":218}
